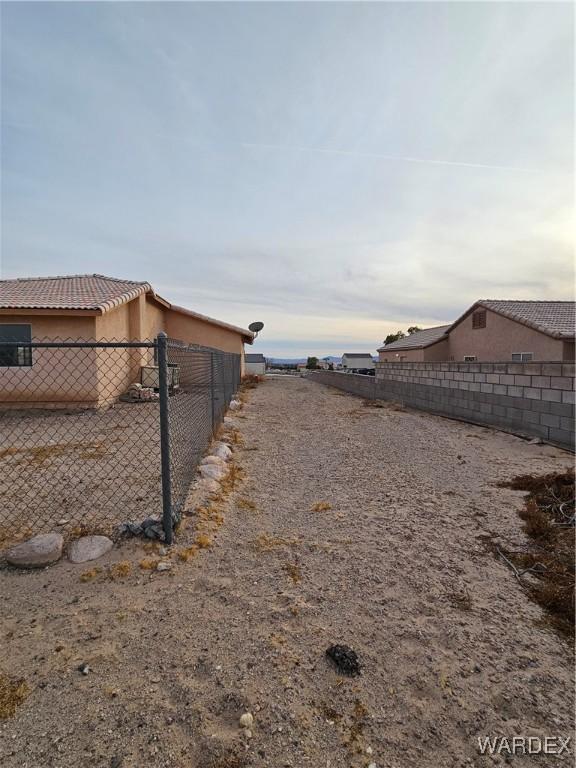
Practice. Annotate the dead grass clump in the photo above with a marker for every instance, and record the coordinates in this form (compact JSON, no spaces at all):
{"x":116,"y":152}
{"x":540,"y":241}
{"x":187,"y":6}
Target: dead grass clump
{"x":13,"y":693}
{"x":246,"y":504}
{"x":187,"y":553}
{"x":149,"y":563}
{"x":203,"y":541}
{"x":548,"y":516}
{"x":321,"y":506}
{"x":373,"y":404}
{"x":293,"y":570}
{"x":232,"y":479}
{"x":91,"y":574}
{"x":251,"y":381}
{"x":120,"y":570}
{"x":266,"y":542}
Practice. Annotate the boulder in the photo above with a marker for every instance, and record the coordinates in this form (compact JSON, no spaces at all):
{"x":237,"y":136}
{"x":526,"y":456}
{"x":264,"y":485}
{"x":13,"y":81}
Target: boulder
{"x":222,"y":451}
{"x":235,"y":405}
{"x":212,"y":460}
{"x":89,"y":548}
{"x":213,"y":471}
{"x":41,"y":550}
{"x":207,"y":485}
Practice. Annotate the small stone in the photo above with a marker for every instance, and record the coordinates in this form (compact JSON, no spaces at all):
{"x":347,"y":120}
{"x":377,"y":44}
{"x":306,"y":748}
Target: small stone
{"x":372,"y":765}
{"x":247,"y":720}
{"x":248,"y":733}
{"x":212,"y":460}
{"x":369,"y":750}
{"x":41,"y":550}
{"x":213,"y":471}
{"x":235,"y":405}
{"x":89,"y":548}
{"x":164,"y":566}
{"x":84,"y":669}
{"x":222,"y":451}
{"x":162,"y":551}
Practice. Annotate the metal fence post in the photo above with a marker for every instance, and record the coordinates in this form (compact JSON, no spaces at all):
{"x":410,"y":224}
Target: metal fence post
{"x":162,"y":342}
{"x":212,"y":392}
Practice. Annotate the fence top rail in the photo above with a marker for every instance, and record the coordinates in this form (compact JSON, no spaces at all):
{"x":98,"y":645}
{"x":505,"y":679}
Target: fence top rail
{"x":79,"y":344}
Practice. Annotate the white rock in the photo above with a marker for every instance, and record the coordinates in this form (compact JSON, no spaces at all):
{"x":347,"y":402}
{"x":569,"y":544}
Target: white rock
{"x":164,"y":566}
{"x":206,"y":485}
{"x":247,"y":720}
{"x":213,"y":471}
{"x":212,"y":460}
{"x":234,"y":405}
{"x":89,"y":548}
{"x":41,"y":550}
{"x":222,"y":451}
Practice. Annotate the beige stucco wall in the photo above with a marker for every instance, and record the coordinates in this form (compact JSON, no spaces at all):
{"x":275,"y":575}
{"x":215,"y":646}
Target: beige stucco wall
{"x":96,"y":377}
{"x":57,"y":376}
{"x":499,"y":339}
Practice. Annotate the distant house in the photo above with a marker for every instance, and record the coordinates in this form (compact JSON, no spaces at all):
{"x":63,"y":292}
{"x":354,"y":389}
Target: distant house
{"x":255,"y":364}
{"x":494,"y":331}
{"x":429,"y":344}
{"x":356,"y":361}
{"x":91,"y":308}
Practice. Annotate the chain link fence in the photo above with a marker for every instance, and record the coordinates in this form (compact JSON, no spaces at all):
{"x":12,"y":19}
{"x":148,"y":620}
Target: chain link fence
{"x":94,"y":435}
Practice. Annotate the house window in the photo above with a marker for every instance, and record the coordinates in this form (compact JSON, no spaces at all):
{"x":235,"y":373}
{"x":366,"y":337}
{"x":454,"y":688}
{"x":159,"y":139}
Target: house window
{"x":14,"y":356}
{"x":469,"y":358}
{"x":479,"y":319}
{"x":522,"y":357}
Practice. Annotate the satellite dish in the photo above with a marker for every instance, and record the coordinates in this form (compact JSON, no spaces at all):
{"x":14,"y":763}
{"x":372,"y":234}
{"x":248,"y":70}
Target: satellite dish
{"x":256,"y":327}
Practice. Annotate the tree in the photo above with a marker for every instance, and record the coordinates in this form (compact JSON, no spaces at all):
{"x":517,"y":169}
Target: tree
{"x":312,"y":363}
{"x":394,"y":337}
{"x":413,"y":329}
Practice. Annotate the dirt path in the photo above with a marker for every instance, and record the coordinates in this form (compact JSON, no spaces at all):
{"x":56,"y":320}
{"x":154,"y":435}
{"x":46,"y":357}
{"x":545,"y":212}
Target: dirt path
{"x":397,"y":568}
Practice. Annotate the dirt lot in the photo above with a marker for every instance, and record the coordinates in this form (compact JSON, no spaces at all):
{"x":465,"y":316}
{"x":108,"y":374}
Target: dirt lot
{"x":94,"y":468}
{"x":395,"y":563}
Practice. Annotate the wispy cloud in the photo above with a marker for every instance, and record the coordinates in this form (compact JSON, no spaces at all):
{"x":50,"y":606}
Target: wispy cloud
{"x":381,"y":156}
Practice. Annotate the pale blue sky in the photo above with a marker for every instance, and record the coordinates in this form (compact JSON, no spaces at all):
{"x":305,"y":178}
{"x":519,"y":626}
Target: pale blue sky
{"x":337,"y":170}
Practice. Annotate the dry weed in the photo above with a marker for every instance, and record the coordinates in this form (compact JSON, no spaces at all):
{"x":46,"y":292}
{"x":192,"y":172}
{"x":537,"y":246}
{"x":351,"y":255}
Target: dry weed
{"x":13,"y":693}
{"x":321,"y":506}
{"x":149,"y":563}
{"x":91,"y":574}
{"x":293,"y":570}
{"x":246,"y":504}
{"x":120,"y":570}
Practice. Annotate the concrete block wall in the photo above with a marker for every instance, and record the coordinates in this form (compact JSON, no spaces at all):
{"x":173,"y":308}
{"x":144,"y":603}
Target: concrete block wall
{"x":355,"y":383}
{"x":530,"y":399}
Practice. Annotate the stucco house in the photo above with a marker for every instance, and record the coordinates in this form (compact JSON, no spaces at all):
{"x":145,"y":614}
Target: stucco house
{"x":357,"y":361}
{"x":428,"y":344}
{"x":255,"y":364}
{"x":91,"y":308}
{"x":494,"y":331}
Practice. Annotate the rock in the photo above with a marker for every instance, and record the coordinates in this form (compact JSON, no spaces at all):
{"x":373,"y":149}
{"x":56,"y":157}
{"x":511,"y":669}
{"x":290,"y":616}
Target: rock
{"x":536,"y":441}
{"x":208,"y":485}
{"x":89,"y":548}
{"x":229,"y":421}
{"x":164,"y":566}
{"x":84,"y":669}
{"x":222,"y":451}
{"x":235,"y":405}
{"x":212,"y":460}
{"x":41,"y":550}
{"x":247,"y":720}
{"x":213,"y":471}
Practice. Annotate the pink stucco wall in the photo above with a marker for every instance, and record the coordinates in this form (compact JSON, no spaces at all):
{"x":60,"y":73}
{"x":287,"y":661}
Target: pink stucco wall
{"x":500,"y":339}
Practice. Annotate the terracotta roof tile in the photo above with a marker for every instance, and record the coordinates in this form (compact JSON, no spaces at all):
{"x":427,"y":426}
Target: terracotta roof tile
{"x":92,"y":292}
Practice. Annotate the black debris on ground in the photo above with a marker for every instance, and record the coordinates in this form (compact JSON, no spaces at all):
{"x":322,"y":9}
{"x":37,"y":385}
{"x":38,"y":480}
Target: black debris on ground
{"x":345,"y":659}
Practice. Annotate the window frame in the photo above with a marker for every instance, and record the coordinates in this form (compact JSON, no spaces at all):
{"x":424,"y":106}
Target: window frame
{"x":22,"y":356}
{"x":469,"y":358}
{"x":522,"y":357}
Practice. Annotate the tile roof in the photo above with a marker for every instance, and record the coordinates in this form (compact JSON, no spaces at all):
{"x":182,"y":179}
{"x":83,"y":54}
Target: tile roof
{"x":255,"y":358}
{"x":555,"y":318}
{"x":357,"y":354}
{"x":91,"y":292}
{"x":418,"y":340}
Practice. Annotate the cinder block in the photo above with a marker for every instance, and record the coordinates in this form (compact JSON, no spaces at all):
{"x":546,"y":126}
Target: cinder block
{"x":568,"y":369}
{"x":500,"y":389}
{"x":565,"y":410}
{"x":532,"y":394}
{"x":552,"y":395}
{"x":486,"y":388}
{"x":514,"y":414}
{"x":499,"y":410}
{"x":552,"y":369}
{"x":506,"y":379}
{"x":531,"y":417}
{"x":485,"y":408}
{"x":480,"y":378}
{"x":474,"y":386}
{"x":567,"y":424}
{"x":561,"y":382}
{"x":562,"y":437}
{"x":549,"y":420}
{"x":522,"y":381}
{"x":492,"y":378}
{"x":568,"y":396}
{"x":516,"y":391}
{"x":533,"y":369}
{"x":541,"y":381}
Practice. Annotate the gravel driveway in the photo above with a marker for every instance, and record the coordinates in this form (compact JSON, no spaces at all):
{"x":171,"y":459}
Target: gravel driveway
{"x":397,"y":567}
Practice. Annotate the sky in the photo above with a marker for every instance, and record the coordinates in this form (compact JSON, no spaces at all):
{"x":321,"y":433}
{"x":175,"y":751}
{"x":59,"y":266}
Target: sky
{"x":336,"y":170}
